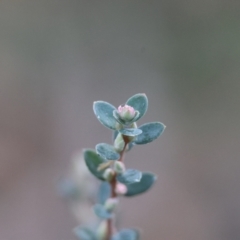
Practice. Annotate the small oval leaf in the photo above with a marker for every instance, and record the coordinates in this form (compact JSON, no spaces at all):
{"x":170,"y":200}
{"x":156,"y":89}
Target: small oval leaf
{"x":126,"y":234}
{"x":93,"y":160}
{"x":130,"y":176}
{"x":101,"y":212}
{"x":104,"y":113}
{"x":150,"y":132}
{"x":104,"y":192}
{"x":114,"y":135}
{"x":83,"y":233}
{"x":132,"y":132}
{"x":107,"y":151}
{"x":145,"y":184}
{"x":140,"y":103}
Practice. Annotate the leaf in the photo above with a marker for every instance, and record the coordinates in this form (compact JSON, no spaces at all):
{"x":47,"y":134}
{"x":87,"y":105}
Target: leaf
{"x":130,"y":146}
{"x":126,"y":234}
{"x":132,"y":132}
{"x":104,"y":192}
{"x":107,"y":151}
{"x":93,"y":160}
{"x":104,"y":113}
{"x":114,"y":135}
{"x":145,"y":184}
{"x":84,"y":233}
{"x":130,"y":176}
{"x":150,"y":132}
{"x":140,"y":103}
{"x":101,"y":212}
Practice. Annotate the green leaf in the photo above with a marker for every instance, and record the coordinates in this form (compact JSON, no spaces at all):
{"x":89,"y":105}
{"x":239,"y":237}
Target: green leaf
{"x":104,"y":192}
{"x":132,"y":132}
{"x":104,"y":113}
{"x":107,"y":151}
{"x":145,"y":184}
{"x":130,"y":176}
{"x":101,"y":212}
{"x":150,"y":132}
{"x":84,"y":233}
{"x":126,"y":234}
{"x":93,"y":160}
{"x":114,"y":135}
{"x":140,"y":103}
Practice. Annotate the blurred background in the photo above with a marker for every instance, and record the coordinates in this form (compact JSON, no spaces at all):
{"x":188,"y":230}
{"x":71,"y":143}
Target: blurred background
{"x":57,"y":57}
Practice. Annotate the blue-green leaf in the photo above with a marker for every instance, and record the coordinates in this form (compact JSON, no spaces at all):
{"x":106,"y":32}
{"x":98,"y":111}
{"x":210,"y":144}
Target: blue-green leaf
{"x":104,"y":192}
{"x":130,"y":145}
{"x":101,"y":212}
{"x":126,"y":234}
{"x":130,"y":176}
{"x":84,"y":233}
{"x":93,"y":160}
{"x":140,"y":103}
{"x":145,"y":184}
{"x":131,"y":132}
{"x":115,"y":133}
{"x":107,"y":151}
{"x":150,"y":132}
{"x":104,"y":113}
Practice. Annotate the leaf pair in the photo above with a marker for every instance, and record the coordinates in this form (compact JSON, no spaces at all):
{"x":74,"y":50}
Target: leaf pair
{"x":104,"y":110}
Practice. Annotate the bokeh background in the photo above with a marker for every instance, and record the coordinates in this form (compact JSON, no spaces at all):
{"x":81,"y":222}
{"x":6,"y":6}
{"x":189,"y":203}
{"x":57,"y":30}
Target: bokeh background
{"x":57,"y":57}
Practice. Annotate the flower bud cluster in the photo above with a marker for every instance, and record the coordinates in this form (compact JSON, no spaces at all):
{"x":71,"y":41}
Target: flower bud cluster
{"x":126,"y":113}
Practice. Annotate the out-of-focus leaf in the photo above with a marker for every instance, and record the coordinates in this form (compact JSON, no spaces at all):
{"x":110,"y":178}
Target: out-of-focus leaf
{"x":104,"y":192}
{"x":107,"y":151}
{"x":93,"y":160}
{"x":130,"y":176}
{"x":101,"y":211}
{"x":126,"y":234}
{"x":145,"y":184}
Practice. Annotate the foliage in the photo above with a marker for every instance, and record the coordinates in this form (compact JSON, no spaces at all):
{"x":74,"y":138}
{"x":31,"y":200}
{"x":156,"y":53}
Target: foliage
{"x":106,"y":164}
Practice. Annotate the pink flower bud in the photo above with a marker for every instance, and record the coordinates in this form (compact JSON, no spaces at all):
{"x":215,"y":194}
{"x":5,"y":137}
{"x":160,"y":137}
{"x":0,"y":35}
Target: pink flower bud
{"x":126,"y":112}
{"x":120,"y":189}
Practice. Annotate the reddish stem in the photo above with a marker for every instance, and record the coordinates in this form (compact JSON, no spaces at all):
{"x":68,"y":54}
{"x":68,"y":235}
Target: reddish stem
{"x":113,"y":184}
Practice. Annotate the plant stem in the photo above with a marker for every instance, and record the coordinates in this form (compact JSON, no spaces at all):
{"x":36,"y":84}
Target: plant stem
{"x":113,"y":184}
